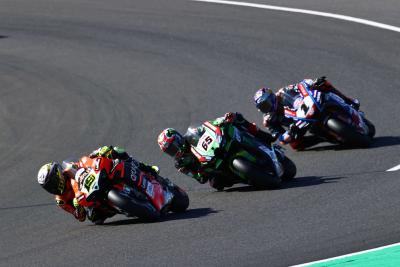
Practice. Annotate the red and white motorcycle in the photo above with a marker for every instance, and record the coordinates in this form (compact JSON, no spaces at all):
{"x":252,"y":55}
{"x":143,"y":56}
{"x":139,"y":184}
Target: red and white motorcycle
{"x":123,"y":187}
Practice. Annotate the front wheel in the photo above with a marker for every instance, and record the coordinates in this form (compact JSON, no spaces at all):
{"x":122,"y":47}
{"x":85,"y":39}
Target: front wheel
{"x":131,"y":206}
{"x":180,"y":202}
{"x":289,"y":169}
{"x":255,"y":174}
{"x":348,"y":134}
{"x":371,"y":127}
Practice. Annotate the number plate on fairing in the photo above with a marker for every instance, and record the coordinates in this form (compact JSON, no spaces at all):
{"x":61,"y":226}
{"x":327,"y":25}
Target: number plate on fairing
{"x":208,"y":142}
{"x":88,"y":181}
{"x":306,"y":108}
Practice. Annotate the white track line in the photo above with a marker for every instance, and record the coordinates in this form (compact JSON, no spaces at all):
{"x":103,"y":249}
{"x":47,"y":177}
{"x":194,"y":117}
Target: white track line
{"x":347,"y":255}
{"x":395,"y":168}
{"x":310,"y":12}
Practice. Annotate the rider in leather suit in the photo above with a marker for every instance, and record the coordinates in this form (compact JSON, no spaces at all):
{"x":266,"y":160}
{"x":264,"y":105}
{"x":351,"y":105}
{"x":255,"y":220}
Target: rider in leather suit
{"x":60,"y":181}
{"x":178,"y":146}
{"x":285,"y":101}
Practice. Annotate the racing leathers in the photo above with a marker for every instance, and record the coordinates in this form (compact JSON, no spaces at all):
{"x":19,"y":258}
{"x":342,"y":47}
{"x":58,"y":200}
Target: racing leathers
{"x":187,"y":163}
{"x":67,"y":200}
{"x":279,"y":121}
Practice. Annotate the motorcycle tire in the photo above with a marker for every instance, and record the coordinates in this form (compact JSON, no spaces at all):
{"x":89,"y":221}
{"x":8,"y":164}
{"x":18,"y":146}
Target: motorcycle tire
{"x":255,"y":174}
{"x":289,"y":169}
{"x":349,"y":135}
{"x":133,"y":207}
{"x":371,"y":128}
{"x":180,"y":202}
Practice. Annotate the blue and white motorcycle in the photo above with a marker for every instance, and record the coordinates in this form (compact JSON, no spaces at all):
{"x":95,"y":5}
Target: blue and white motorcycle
{"x":331,"y":118}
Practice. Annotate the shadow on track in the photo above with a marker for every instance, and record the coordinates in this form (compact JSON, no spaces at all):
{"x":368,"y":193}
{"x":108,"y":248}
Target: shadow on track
{"x":381,"y":141}
{"x":189,"y":214}
{"x":296,"y":182}
{"x":310,"y":181}
{"x":27,"y":206}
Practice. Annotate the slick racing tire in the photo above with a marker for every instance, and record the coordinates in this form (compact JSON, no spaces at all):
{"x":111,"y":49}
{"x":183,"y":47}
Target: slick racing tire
{"x":180,"y":202}
{"x":133,"y":207}
{"x":289,"y":169}
{"x":255,"y":174}
{"x":371,"y":128}
{"x":348,"y":133}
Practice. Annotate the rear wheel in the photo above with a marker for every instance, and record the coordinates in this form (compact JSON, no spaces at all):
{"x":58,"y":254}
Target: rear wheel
{"x":255,"y":174}
{"x":289,"y":169}
{"x":180,"y":202}
{"x":348,"y":133}
{"x":132,"y":206}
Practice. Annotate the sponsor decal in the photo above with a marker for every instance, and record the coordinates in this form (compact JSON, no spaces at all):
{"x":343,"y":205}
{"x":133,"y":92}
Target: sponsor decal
{"x":150,"y":189}
{"x":133,"y":170}
{"x":80,"y":197}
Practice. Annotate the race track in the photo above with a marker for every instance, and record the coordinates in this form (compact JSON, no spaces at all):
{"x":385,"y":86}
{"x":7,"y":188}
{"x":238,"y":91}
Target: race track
{"x":78,"y":74}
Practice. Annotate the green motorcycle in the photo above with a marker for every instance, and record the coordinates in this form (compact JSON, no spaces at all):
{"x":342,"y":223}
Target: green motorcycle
{"x":232,"y":152}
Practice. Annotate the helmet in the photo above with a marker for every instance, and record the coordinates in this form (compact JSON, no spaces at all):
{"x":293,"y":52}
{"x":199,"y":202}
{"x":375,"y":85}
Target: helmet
{"x":171,"y":142}
{"x":265,"y":100}
{"x":50,"y":177}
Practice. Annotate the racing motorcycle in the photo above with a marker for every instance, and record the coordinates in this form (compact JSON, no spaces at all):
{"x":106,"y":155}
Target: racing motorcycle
{"x":234,"y":153}
{"x":331,"y":118}
{"x":123,"y":187}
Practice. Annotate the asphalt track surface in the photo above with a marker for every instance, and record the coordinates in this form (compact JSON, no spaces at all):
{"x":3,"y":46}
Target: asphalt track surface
{"x":77,"y":74}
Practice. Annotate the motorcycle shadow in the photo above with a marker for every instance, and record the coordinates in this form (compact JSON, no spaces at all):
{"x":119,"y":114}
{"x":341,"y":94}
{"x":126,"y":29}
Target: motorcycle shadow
{"x":309,"y":181}
{"x":381,"y":141}
{"x":188,"y":214}
{"x":296,"y":182}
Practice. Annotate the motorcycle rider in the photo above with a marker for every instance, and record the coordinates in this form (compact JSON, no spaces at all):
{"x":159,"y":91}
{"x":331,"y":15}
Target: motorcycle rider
{"x":60,"y":181}
{"x":178,"y":147}
{"x":286,"y":100}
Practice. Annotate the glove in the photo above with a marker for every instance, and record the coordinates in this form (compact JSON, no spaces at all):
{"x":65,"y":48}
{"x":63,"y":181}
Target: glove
{"x":149,"y":168}
{"x":229,"y":117}
{"x":79,"y":213}
{"x":320,"y":81}
{"x":75,"y":203}
{"x":156,"y":169}
{"x":355,"y":104}
{"x":104,"y":151}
